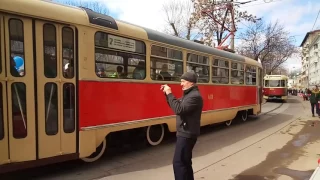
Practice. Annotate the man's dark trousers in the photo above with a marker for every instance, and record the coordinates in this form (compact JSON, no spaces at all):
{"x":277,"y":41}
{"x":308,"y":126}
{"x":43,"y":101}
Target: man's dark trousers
{"x":315,"y":105}
{"x":182,"y":163}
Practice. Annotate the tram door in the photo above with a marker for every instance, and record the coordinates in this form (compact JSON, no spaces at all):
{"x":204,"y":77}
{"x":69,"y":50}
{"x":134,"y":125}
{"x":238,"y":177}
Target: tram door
{"x":17,"y":104}
{"x":260,"y":86}
{"x":55,"y":44}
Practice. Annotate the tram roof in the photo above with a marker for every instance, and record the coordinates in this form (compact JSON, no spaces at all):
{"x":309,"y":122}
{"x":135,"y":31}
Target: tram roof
{"x":77,"y":15}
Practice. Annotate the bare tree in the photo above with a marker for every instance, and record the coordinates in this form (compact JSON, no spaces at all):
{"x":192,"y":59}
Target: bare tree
{"x":281,"y":70}
{"x":219,"y":17}
{"x":95,"y":5}
{"x":270,"y":44}
{"x":178,"y":16}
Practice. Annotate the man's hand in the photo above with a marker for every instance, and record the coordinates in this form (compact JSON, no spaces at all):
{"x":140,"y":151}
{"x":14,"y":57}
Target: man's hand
{"x":166,"y":89}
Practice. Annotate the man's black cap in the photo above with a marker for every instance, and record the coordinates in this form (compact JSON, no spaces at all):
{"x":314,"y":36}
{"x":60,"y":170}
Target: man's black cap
{"x":190,"y":76}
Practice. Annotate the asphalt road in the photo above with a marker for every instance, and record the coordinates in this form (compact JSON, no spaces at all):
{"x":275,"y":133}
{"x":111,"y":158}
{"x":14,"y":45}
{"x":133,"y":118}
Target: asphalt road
{"x":261,"y":148}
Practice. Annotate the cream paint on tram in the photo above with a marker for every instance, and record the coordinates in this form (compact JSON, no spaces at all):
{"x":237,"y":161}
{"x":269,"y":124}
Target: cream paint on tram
{"x":60,"y":142}
{"x":28,"y":143}
{"x":4,"y":151}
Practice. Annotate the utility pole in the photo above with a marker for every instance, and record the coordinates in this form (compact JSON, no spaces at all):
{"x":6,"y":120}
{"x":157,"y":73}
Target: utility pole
{"x":233,"y":28}
{"x":229,"y":7}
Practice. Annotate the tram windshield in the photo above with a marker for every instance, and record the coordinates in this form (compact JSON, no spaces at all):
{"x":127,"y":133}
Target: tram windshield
{"x":275,"y":83}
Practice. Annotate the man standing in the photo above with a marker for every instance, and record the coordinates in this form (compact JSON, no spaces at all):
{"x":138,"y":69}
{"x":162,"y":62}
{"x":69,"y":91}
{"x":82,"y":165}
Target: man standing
{"x":188,"y":110}
{"x":314,"y":98}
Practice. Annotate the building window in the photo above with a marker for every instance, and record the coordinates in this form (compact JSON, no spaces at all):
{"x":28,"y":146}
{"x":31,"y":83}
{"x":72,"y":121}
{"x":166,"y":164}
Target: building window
{"x":166,"y":64}
{"x":199,"y":65}
{"x":220,"y":71}
{"x":118,"y":57}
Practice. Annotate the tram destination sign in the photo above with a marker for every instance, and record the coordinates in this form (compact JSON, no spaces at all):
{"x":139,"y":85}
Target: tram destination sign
{"x":121,"y":43}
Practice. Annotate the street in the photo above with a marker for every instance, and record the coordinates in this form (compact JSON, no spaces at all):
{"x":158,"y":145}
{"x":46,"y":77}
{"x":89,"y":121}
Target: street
{"x":281,"y":144}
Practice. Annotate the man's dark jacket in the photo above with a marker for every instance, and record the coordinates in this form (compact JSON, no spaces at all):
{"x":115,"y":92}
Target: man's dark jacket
{"x":188,"y":110}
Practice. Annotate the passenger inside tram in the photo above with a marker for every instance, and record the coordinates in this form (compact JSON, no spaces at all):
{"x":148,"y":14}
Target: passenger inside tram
{"x":139,"y":72}
{"x":13,"y":70}
{"x":120,"y":72}
{"x":164,"y":74}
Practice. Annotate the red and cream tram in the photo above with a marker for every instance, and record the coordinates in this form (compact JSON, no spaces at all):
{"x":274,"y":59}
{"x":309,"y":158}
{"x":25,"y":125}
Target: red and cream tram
{"x":275,"y":87}
{"x":70,"y":77}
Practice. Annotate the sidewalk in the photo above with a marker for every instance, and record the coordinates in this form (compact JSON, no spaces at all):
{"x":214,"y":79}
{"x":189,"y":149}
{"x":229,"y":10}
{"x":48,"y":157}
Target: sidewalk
{"x":307,"y":164}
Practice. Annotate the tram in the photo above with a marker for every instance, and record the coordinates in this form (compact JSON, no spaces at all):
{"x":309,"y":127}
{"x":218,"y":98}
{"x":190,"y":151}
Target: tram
{"x":70,"y":78}
{"x":275,"y":87}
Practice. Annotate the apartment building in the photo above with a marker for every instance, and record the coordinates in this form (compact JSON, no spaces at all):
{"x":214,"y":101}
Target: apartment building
{"x":310,"y":71}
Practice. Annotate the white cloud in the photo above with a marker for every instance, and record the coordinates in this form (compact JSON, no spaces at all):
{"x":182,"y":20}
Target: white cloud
{"x":146,"y":13}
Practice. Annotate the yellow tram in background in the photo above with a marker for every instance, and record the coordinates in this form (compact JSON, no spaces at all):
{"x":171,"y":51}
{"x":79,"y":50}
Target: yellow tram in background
{"x":275,"y":87}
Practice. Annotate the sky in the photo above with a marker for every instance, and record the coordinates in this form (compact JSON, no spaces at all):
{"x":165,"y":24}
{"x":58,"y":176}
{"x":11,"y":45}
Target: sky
{"x":297,"y":16}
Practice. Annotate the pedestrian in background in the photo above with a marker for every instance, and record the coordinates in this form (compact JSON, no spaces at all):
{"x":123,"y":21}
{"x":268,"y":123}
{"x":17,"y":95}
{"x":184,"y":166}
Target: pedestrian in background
{"x":188,"y":111}
{"x":314,"y":100}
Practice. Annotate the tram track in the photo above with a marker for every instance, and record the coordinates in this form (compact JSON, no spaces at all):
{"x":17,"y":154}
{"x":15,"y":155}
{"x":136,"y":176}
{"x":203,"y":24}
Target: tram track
{"x":252,"y":144}
{"x":277,"y":107}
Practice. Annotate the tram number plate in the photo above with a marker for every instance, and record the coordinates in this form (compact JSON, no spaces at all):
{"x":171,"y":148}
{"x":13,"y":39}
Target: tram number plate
{"x":117,"y":42}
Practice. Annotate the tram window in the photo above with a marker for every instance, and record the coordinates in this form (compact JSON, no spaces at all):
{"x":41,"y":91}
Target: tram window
{"x":68,"y":108}
{"x":251,"y":75}
{"x":51,"y":108}
{"x":112,"y":64}
{"x":1,"y":114}
{"x":19,"y":110}
{"x":199,"y":65}
{"x":16,"y":36}
{"x":68,"y":52}
{"x":166,"y":64}
{"x":220,"y":71}
{"x":127,"y":63}
{"x":275,"y":83}
{"x":50,"y":50}
{"x":166,"y":70}
{"x":237,"y":74}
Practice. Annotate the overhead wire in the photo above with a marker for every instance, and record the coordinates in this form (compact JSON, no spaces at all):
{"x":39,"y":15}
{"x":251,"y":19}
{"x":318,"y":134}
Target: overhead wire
{"x":273,"y":1}
{"x":315,"y":20}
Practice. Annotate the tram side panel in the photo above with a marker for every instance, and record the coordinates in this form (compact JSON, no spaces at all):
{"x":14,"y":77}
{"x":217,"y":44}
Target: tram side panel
{"x":103,"y":103}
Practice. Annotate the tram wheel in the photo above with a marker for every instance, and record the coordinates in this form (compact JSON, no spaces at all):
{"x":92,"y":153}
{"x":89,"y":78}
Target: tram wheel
{"x":96,"y":155}
{"x":155,"y":134}
{"x":228,"y":123}
{"x":244,"y":115}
